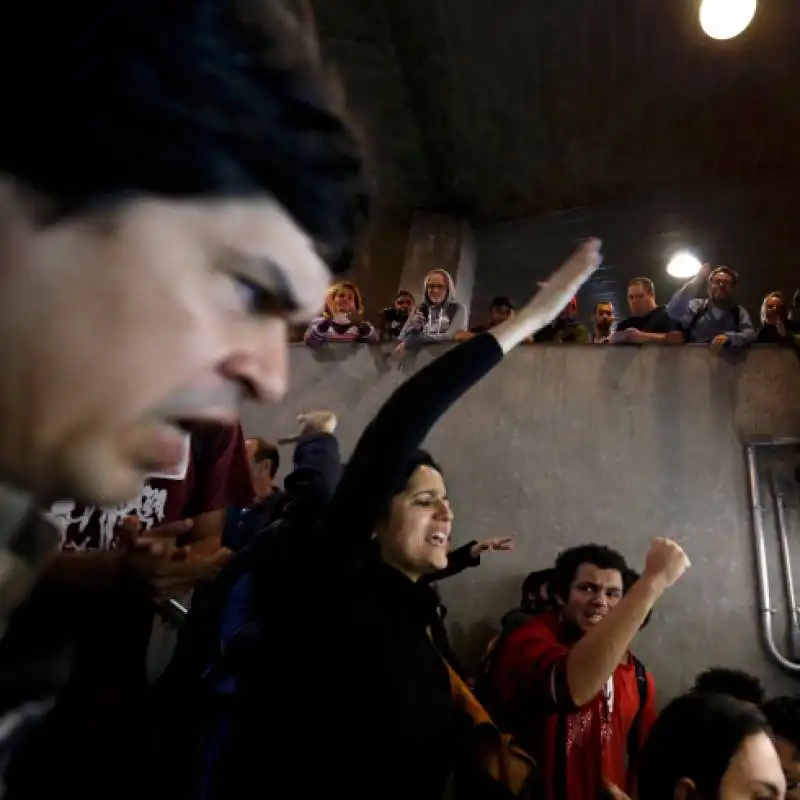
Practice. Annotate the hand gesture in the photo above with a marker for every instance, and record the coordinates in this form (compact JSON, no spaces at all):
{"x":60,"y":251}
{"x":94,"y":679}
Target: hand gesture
{"x":665,"y":562}
{"x":781,"y":326}
{"x":317,"y":422}
{"x":703,"y":272}
{"x":499,"y":543}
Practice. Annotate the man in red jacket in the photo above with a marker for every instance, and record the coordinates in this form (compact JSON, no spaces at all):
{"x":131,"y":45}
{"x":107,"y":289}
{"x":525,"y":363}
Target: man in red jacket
{"x":565,"y":682}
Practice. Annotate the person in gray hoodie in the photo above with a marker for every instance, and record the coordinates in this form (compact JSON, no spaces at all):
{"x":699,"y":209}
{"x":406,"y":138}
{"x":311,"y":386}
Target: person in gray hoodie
{"x":439,"y":317}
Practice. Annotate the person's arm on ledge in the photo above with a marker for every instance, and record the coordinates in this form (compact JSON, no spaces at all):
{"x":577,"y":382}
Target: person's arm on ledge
{"x":597,"y":654}
{"x":644,"y":337}
{"x":746,"y":334}
{"x":404,"y":421}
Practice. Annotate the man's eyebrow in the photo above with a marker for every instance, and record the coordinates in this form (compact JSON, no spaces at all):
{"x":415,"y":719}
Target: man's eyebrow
{"x":262,"y":272}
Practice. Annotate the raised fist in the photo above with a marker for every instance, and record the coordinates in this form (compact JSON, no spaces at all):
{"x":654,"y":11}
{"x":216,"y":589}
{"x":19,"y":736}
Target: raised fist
{"x":317,"y":422}
{"x":666,"y":562}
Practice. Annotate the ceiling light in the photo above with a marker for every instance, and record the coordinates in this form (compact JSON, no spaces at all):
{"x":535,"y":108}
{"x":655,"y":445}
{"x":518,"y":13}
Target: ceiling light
{"x":683,"y":265}
{"x":724,"y":19}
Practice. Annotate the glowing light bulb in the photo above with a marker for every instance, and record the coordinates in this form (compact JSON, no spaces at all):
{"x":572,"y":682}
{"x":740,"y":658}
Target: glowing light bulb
{"x":724,"y":19}
{"x":683,"y":265}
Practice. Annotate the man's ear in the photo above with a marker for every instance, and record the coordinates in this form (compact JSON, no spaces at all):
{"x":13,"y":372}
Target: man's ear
{"x":685,"y":790}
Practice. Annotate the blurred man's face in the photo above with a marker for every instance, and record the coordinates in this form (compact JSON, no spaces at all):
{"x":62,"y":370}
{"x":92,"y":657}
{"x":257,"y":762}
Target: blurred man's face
{"x":604,"y":316}
{"x":640,"y":300}
{"x":404,"y":303}
{"x":498,"y":314}
{"x":720,"y":287}
{"x":123,"y":327}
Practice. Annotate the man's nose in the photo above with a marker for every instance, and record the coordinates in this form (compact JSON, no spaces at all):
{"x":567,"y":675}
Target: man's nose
{"x":261,"y":362}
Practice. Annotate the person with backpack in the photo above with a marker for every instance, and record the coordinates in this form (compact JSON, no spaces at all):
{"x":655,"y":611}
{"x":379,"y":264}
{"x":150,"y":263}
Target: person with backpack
{"x":565,"y":683}
{"x":717,"y":320}
{"x":439,"y":317}
{"x":334,"y":685}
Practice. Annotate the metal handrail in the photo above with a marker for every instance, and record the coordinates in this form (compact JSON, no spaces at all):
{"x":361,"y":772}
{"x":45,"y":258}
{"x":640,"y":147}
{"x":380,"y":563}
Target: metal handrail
{"x":766,"y":610}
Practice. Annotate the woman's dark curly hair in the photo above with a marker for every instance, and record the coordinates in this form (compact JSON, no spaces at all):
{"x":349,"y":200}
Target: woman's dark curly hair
{"x":107,"y":99}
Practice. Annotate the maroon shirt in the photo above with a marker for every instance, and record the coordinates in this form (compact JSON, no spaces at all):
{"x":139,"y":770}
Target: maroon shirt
{"x":221,"y":479}
{"x":115,"y":631}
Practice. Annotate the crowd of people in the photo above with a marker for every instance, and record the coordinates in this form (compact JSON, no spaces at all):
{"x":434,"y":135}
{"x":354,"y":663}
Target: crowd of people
{"x":703,"y":311}
{"x":200,"y":186}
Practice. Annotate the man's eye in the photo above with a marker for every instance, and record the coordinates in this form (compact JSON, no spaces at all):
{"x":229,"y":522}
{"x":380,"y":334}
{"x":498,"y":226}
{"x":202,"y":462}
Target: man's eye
{"x":257,"y":299}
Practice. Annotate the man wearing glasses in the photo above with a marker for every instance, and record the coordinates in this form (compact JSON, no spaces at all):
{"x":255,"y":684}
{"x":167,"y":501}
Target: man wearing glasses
{"x":717,"y":320}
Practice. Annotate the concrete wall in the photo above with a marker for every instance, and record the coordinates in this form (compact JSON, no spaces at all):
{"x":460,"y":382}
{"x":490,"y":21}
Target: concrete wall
{"x":565,"y":445}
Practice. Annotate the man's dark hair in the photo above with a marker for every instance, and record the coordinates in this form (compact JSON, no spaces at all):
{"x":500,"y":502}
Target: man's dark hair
{"x":203,"y":99}
{"x":569,"y":561}
{"x":695,"y":737}
{"x":783,"y":715}
{"x":646,"y":282}
{"x":532,"y":589}
{"x":266,"y":451}
{"x":603,"y":303}
{"x":731,"y":682}
{"x":501,"y":301}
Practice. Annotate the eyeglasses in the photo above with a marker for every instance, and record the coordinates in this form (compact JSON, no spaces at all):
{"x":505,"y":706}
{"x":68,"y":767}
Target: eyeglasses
{"x":721,"y":282}
{"x":436,"y":286}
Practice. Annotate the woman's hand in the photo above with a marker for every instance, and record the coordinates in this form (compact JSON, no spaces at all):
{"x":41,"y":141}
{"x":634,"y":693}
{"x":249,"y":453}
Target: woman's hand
{"x":552,"y":297}
{"x":501,"y":543}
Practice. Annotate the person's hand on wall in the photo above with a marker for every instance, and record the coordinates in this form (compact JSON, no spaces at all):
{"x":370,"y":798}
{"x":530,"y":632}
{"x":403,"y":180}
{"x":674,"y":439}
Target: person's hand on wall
{"x":621,"y":337}
{"x":666,"y":562}
{"x":634,"y":336}
{"x":498,"y":543}
{"x":718,"y":343}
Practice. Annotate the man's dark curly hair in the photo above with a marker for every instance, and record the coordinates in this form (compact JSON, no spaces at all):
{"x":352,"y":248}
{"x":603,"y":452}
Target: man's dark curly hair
{"x":783,"y":715}
{"x":107,"y":99}
{"x":569,"y":561}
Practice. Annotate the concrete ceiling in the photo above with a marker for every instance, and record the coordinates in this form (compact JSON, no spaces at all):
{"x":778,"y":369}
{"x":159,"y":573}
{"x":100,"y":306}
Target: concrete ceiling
{"x":500,"y":109}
